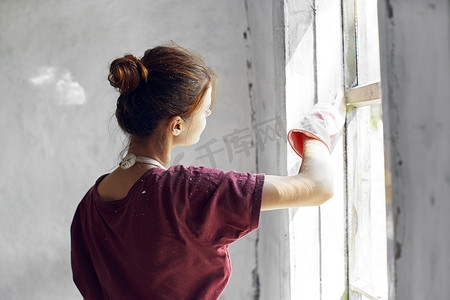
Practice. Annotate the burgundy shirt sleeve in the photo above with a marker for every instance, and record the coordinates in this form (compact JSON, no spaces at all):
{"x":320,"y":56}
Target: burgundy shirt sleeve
{"x":218,"y":207}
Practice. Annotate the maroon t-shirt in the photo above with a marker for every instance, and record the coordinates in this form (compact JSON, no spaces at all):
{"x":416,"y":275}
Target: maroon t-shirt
{"x":168,"y":239}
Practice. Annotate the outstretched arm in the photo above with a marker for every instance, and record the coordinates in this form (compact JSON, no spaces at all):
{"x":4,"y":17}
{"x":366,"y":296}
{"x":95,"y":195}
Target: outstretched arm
{"x":312,"y":186}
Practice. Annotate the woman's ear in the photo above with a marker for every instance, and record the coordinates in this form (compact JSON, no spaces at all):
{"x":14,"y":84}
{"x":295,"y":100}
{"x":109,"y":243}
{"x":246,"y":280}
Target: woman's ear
{"x":176,"y":125}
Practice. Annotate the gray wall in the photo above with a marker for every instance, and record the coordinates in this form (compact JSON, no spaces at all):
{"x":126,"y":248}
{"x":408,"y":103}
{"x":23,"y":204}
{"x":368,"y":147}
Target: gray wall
{"x":266,"y":43}
{"x":415,"y":77}
{"x":58,"y":135}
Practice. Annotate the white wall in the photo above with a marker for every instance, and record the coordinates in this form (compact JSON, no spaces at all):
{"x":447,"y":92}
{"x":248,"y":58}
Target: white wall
{"x":56,"y":127}
{"x":415,"y":77}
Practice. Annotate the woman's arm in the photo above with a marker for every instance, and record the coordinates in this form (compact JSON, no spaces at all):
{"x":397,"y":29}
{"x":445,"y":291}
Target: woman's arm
{"x":312,"y":186}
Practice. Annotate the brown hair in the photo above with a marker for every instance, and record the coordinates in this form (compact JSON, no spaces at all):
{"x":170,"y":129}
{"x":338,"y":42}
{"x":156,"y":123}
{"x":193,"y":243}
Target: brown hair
{"x":167,"y":81}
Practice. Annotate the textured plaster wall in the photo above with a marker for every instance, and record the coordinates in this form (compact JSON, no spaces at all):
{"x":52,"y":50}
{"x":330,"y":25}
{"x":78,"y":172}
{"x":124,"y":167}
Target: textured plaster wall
{"x":266,"y":73}
{"x":415,"y":76}
{"x":58,"y":134}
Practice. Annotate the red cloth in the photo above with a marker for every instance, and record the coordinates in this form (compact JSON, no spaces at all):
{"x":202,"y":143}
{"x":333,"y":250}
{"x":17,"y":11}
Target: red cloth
{"x":168,"y":239}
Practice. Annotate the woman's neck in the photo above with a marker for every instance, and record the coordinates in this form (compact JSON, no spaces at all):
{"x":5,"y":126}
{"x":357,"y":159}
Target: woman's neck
{"x":155,"y":147}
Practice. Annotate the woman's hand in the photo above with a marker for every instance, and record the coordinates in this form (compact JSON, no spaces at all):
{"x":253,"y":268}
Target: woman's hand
{"x":324,"y":122}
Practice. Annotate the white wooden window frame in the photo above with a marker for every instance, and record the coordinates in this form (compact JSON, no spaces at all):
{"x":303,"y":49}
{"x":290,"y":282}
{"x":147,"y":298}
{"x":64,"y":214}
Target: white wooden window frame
{"x":324,"y":241}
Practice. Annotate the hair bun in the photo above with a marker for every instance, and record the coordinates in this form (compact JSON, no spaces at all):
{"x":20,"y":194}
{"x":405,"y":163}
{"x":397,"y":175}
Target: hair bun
{"x":126,"y":73}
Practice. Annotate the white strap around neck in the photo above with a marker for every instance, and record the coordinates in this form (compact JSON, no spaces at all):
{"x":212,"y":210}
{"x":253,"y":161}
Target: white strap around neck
{"x":129,"y":160}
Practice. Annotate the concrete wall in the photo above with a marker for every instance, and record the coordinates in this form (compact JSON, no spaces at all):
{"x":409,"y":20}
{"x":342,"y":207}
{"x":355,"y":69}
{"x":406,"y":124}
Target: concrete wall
{"x":267,"y":93}
{"x":415,"y":77}
{"x":58,"y":135}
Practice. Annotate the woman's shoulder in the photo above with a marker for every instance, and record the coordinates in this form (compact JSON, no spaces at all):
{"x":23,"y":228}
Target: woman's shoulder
{"x":200,"y":174}
{"x":202,"y":170}
{"x":191,"y":170}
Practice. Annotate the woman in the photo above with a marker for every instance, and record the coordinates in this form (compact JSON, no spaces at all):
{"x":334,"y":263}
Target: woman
{"x":150,"y":230}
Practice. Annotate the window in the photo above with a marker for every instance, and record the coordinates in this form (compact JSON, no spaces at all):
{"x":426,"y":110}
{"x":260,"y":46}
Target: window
{"x":366,"y":211}
{"x":338,"y":251}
